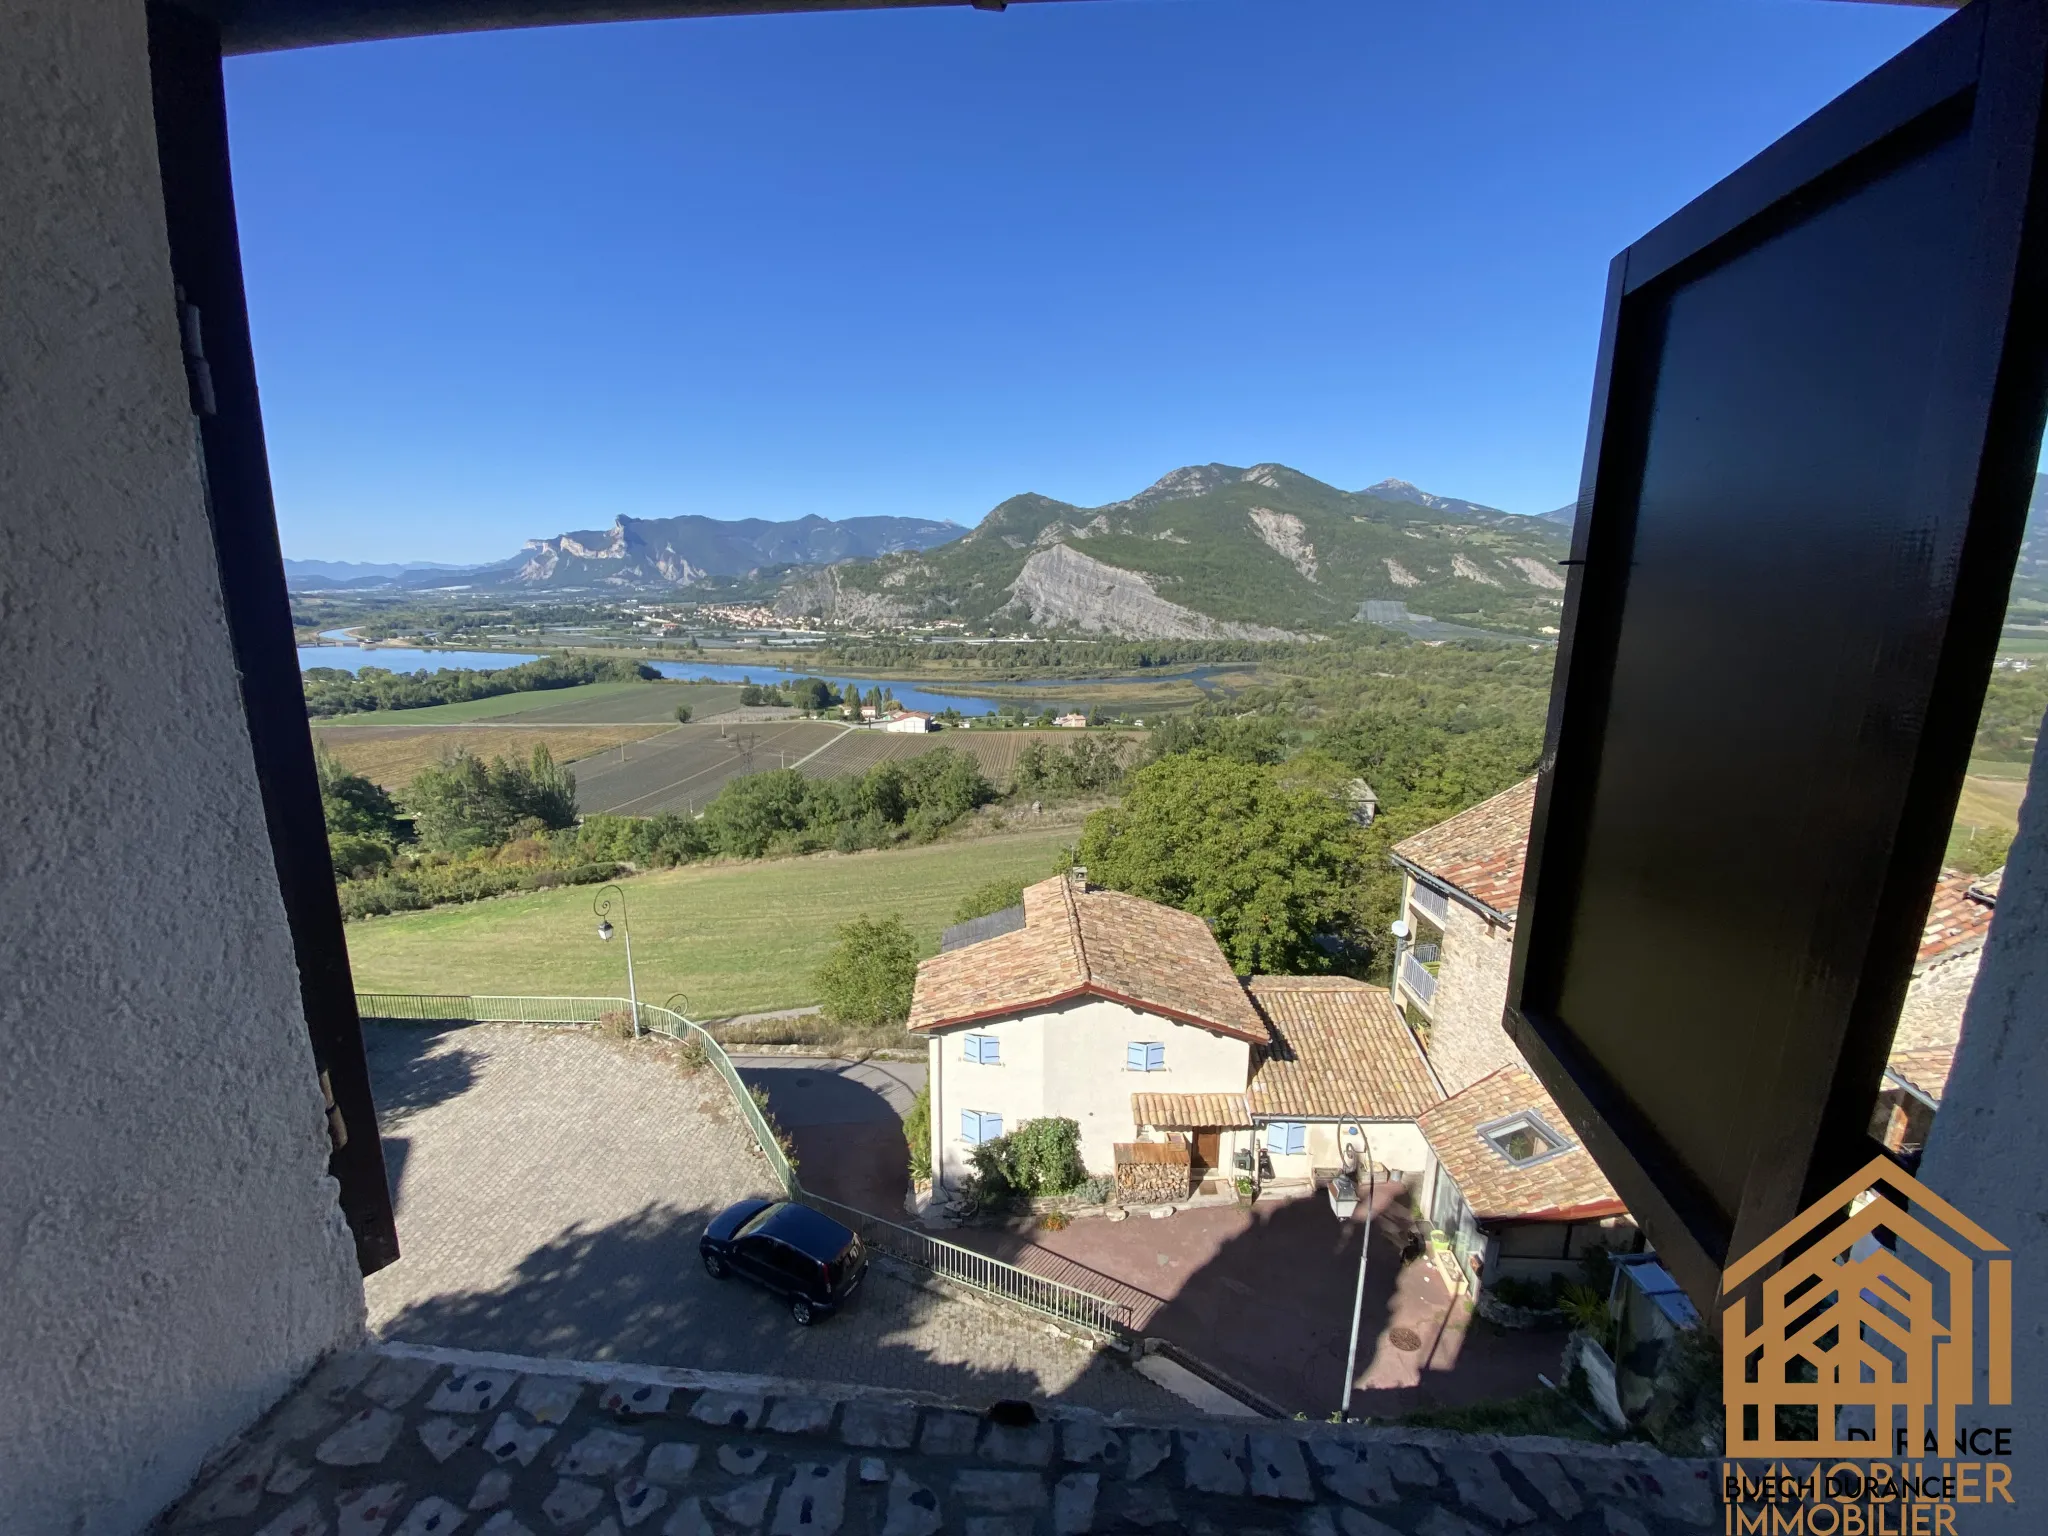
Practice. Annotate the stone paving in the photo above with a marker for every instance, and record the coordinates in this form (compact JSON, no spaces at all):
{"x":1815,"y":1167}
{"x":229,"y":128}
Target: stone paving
{"x":398,"y":1442}
{"x":551,"y":1185}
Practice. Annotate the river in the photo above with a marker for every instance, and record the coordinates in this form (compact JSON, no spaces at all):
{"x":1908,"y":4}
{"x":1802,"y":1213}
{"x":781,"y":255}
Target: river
{"x":912,"y":695}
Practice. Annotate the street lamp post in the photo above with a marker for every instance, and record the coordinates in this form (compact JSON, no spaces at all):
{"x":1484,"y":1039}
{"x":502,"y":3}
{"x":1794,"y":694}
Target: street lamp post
{"x":1343,"y":1200}
{"x":608,"y":897}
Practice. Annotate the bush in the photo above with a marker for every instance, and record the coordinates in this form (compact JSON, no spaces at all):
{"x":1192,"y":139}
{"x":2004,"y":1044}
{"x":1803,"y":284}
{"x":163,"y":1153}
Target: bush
{"x":917,"y":1133}
{"x":990,"y":898}
{"x":682,"y":714}
{"x":870,"y":973}
{"x":1055,"y":1221}
{"x":357,"y":857}
{"x":464,"y":802}
{"x":1040,"y":1157}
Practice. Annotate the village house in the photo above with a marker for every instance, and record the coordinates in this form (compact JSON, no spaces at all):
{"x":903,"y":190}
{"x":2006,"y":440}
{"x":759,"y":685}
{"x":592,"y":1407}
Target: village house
{"x":1515,"y":1193}
{"x":1462,"y":883}
{"x":1931,"y":1022}
{"x":912,"y":721}
{"x":1124,"y":1016}
{"x":1071,"y":721}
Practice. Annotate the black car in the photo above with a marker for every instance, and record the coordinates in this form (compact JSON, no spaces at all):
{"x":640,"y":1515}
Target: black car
{"x":801,"y":1255}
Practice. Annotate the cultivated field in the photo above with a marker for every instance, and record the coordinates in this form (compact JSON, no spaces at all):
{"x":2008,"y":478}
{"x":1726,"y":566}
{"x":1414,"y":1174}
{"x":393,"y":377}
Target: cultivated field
{"x":996,"y":751}
{"x":391,"y":755}
{"x":738,"y":938}
{"x":681,"y":769}
{"x":631,"y":703}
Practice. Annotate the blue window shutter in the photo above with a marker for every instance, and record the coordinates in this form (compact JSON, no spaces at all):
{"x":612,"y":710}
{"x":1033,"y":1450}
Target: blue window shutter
{"x":991,"y":1049}
{"x":1134,"y":1057}
{"x":1155,"y":1058}
{"x":1276,"y":1138}
{"x":1297,"y":1138}
{"x":991,"y":1127}
{"x":970,"y":1127}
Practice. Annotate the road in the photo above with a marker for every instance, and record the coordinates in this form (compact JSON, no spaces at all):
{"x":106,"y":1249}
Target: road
{"x":846,"y":1118}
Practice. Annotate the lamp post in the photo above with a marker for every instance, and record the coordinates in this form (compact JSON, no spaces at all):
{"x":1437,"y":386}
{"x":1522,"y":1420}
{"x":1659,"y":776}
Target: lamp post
{"x":606,"y":898}
{"x":1343,"y":1201}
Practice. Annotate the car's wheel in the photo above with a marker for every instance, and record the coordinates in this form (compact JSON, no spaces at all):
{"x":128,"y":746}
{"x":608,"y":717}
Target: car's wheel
{"x":715,"y":1266}
{"x":801,"y":1311}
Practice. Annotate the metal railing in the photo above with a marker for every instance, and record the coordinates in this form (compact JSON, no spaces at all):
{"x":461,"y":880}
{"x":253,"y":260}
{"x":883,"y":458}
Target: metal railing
{"x":980,"y":1272}
{"x":1419,"y":982}
{"x":962,"y":1266}
{"x":463,"y":1008}
{"x":1429,"y":901}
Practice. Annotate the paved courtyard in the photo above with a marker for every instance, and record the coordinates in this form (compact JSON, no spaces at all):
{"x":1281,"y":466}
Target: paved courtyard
{"x":550,"y":1188}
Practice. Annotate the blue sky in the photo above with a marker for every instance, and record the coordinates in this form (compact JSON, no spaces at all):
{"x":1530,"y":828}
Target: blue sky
{"x":914,"y":262}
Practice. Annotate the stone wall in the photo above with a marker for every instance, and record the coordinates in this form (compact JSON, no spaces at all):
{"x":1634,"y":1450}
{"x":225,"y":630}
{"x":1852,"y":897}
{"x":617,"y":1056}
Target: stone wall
{"x":1465,"y":1037}
{"x":1933,"y":1011}
{"x":172,"y":1252}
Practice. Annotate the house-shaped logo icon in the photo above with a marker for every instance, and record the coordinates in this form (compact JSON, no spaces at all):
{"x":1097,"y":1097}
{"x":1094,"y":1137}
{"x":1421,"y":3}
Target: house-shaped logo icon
{"x":1868,"y":1329}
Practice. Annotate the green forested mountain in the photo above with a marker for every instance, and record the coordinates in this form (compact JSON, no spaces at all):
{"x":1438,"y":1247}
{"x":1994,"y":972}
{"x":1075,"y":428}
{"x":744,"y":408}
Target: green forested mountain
{"x":1216,"y":550}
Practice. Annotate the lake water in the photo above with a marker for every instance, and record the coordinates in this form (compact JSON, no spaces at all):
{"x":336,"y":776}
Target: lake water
{"x":353,"y":658}
{"x":405,"y":658}
{"x":909,"y":695}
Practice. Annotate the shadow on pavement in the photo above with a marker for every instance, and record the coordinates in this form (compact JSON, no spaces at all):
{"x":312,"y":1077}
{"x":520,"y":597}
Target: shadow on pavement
{"x":848,"y":1135}
{"x":635,"y":1290}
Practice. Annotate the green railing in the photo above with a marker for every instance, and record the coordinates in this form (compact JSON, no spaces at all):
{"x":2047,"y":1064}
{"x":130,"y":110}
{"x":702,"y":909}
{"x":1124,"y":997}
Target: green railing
{"x":949,"y":1261}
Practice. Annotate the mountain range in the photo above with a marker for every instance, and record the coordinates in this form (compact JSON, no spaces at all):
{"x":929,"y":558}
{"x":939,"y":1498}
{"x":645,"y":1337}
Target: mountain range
{"x":1220,"y":550}
{"x":1264,"y":552}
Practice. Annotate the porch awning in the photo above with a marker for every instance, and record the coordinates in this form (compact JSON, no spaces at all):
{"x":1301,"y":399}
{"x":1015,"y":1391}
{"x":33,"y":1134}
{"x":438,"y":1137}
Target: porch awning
{"x":1189,"y":1111}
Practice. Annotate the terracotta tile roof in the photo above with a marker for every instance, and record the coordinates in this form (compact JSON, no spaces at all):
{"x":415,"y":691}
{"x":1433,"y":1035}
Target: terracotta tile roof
{"x":1076,"y":943}
{"x":1188,"y":1111}
{"x":1339,"y":1051}
{"x":1960,"y":914}
{"x":1925,"y":1068}
{"x":1479,"y":851}
{"x":1496,"y":1189}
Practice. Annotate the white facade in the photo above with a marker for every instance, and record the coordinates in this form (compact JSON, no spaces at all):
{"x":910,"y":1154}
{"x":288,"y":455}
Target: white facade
{"x":912,"y":722}
{"x":1397,"y":1145}
{"x":1071,"y":1061}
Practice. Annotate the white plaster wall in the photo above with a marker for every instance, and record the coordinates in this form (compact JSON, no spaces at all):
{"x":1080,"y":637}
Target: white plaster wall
{"x":1069,"y":1061}
{"x":171,"y":1255}
{"x":1988,"y":1153}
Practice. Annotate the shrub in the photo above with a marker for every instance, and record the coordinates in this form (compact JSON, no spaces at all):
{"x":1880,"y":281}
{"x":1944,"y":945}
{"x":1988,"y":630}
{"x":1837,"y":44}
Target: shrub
{"x":616,"y":1022}
{"x":682,"y":714}
{"x":917,"y":1133}
{"x":990,"y":898}
{"x":358,"y":857}
{"x":869,"y":974}
{"x":1040,"y":1157}
{"x":1054,"y":1221}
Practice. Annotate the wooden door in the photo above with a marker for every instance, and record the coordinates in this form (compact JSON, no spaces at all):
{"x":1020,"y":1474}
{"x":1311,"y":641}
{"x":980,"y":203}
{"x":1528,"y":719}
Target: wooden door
{"x":1208,"y":1152}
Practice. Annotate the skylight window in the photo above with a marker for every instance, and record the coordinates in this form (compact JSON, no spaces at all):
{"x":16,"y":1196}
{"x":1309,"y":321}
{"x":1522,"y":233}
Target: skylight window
{"x":1524,"y":1139}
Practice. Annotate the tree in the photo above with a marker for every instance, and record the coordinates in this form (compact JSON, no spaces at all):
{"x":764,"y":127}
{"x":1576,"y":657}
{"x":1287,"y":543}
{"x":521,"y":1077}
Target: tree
{"x":354,"y":806}
{"x":868,"y":976}
{"x":682,"y":714}
{"x":463,"y":803}
{"x":996,"y":896}
{"x":1270,"y":863}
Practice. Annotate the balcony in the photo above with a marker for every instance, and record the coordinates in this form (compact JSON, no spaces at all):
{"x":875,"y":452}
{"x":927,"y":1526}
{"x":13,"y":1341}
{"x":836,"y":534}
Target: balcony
{"x":1429,"y":901}
{"x":1419,"y":982}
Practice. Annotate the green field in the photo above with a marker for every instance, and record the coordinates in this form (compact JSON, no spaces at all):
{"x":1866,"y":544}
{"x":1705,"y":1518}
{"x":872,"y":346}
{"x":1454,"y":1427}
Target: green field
{"x":592,"y":704}
{"x":738,"y":938}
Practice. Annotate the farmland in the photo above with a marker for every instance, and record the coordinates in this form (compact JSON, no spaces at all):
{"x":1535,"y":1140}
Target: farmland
{"x":737,"y":937}
{"x":682,"y":769}
{"x":391,"y":755}
{"x":390,"y":746}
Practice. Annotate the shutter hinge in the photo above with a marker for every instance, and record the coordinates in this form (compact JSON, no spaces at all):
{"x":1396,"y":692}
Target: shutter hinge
{"x":198,"y":376}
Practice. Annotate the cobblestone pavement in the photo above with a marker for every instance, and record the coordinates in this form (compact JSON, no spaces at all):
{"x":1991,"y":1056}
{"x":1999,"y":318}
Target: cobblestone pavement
{"x":387,"y":1443}
{"x":551,"y":1186}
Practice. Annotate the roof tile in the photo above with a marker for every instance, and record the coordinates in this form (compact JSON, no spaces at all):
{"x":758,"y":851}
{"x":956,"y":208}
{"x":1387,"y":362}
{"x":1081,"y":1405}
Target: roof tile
{"x":1479,"y":851}
{"x":1338,"y":1050}
{"x":1495,"y":1188}
{"x":1077,"y":941}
